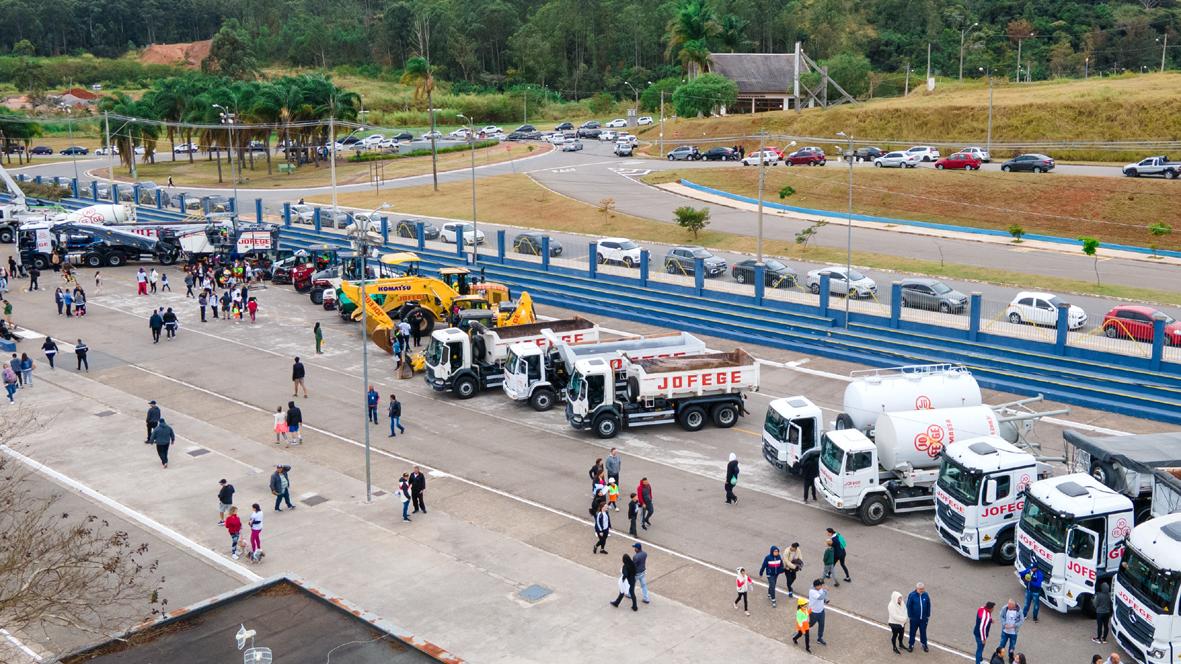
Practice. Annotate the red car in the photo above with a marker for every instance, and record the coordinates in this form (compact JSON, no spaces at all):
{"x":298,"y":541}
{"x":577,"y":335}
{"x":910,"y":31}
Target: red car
{"x":805,"y":156}
{"x":1131,"y":321}
{"x":964,"y":160}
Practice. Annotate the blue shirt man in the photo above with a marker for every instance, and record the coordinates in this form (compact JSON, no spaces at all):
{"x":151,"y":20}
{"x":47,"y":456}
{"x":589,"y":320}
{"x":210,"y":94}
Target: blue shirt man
{"x":918,"y":610}
{"x":371,"y":399}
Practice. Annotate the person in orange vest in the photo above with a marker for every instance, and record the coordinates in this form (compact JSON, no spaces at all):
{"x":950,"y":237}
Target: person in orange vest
{"x":803,"y":613}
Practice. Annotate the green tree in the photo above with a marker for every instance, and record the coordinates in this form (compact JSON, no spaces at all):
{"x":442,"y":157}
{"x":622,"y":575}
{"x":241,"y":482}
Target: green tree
{"x":692,"y":219}
{"x":651,"y":96}
{"x":732,"y":34}
{"x":1091,"y":248}
{"x":703,"y":94}
{"x":850,"y":71}
{"x":230,"y":53}
{"x":131,"y":128}
{"x":418,"y":73}
{"x":688,"y":34}
{"x":24,"y":48}
{"x":601,"y":103}
{"x":1158,"y":230}
{"x":1016,"y":231}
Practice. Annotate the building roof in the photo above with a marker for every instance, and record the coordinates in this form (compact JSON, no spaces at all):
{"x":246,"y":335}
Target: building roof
{"x":756,"y":73}
{"x":81,"y":93}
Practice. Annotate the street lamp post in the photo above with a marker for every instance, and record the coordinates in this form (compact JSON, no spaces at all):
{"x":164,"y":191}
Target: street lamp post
{"x":471,"y":137}
{"x":637,"y":94}
{"x":361,"y":243}
{"x":70,"y":130}
{"x":963,"y":35}
{"x":849,"y":240}
{"x":227,"y":118}
{"x":988,"y":139}
{"x":762,"y":170}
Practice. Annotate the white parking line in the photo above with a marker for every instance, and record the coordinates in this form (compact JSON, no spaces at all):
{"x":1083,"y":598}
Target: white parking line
{"x":20,"y":646}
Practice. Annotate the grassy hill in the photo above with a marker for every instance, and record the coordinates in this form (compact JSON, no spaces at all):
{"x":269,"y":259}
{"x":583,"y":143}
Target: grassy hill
{"x":1124,"y":108}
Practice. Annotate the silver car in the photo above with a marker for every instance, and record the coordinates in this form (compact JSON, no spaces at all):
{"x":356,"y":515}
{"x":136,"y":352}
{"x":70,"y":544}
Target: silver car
{"x":932,"y":294}
{"x":896,"y":160}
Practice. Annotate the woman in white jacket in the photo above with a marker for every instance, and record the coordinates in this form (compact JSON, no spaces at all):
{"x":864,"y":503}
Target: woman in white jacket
{"x":897,"y":618}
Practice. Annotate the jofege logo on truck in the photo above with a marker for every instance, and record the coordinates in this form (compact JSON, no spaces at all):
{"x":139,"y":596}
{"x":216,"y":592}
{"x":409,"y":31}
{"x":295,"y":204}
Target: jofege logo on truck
{"x":706,"y":379}
{"x":923,"y":402}
{"x":930,"y":441}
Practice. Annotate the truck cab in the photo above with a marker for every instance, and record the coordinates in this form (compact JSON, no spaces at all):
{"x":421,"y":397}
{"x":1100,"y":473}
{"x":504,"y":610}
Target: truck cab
{"x":1145,"y":592}
{"x":849,"y":478}
{"x":531,"y":375}
{"x":791,"y":432}
{"x":979,"y":495}
{"x":455,"y":364}
{"x":1073,"y":528}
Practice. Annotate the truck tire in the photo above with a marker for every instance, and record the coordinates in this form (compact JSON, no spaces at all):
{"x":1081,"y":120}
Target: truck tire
{"x":874,"y":510}
{"x":606,"y":426}
{"x":844,"y":421}
{"x":479,"y":348}
{"x":1169,"y":175}
{"x":166,"y":259}
{"x":724,"y":415}
{"x":1004,"y":552}
{"x":115,"y":259}
{"x":633,"y":389}
{"x":1105,"y":474}
{"x":466,"y":387}
{"x":40,"y":262}
{"x":542,"y":399}
{"x":426,"y":320}
{"x":692,"y":418}
{"x":303,"y":286}
{"x":93,"y":260}
{"x":7,"y":235}
{"x":317,"y":296}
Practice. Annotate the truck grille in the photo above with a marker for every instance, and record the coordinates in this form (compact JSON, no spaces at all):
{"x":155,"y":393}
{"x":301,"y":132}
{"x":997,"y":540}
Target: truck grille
{"x":1025,"y":557}
{"x":950,"y":518}
{"x":1136,"y":628}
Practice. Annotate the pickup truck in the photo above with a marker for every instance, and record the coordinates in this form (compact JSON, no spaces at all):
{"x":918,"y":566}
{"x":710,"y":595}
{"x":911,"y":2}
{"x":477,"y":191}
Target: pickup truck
{"x":1154,"y":166}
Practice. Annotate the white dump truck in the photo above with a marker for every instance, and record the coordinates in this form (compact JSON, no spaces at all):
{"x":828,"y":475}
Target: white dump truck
{"x":539,"y":374}
{"x":1145,"y":619}
{"x":792,"y":427}
{"x":689,"y":390}
{"x":466,"y":363}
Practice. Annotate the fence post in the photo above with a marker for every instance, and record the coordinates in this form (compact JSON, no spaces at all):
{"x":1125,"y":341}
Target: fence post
{"x":895,"y":304}
{"x":159,"y":199}
{"x":1063,"y":327}
{"x":645,"y":263}
{"x":760,"y":283}
{"x":94,"y":189}
{"x":974,"y":316}
{"x":825,"y":290}
{"x":286,"y":211}
{"x":57,"y":181}
{"x":699,"y":275}
{"x":385,"y":229}
{"x":135,"y":194}
{"x":545,"y":252}
{"x":459,"y":243}
{"x":74,"y":187}
{"x":420,"y":233}
{"x":37,"y":179}
{"x":1158,"y":340}
{"x":500,"y":245}
{"x":114,"y":193}
{"x":234,"y":207}
{"x":592,"y":259}
{"x":316,"y":219}
{"x":258,"y":209}
{"x":184,"y":207}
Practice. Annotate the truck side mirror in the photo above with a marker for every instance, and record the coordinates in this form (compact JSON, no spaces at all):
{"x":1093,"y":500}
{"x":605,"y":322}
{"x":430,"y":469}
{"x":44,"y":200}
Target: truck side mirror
{"x":990,"y":486}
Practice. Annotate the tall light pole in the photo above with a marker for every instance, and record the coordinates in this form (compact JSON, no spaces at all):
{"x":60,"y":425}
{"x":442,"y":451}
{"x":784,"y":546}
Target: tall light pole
{"x":661,"y":123}
{"x":988,"y":139}
{"x":361,"y":243}
{"x":1019,"y":42}
{"x":471,"y":137}
{"x":637,"y":93}
{"x":70,"y":130}
{"x":762,"y":170}
{"x":963,"y":35}
{"x":1163,"y":50}
{"x":849,"y":240}
{"x":227,"y":118}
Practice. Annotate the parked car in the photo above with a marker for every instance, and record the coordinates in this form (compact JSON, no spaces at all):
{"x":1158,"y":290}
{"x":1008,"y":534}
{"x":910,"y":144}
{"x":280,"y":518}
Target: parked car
{"x":565,"y":126}
{"x":932,"y":294}
{"x":959,"y":160}
{"x":461,"y":134}
{"x":589,"y":132}
{"x":775,"y":273}
{"x":1133,"y":321}
{"x":437,"y":135}
{"x":720,"y":154}
{"x":302,"y":214}
{"x":372,"y":140}
{"x":644,"y":120}
{"x":107,"y":150}
{"x":75,"y":150}
{"x":452,"y":231}
{"x":526,"y":127}
{"x":572,"y":146}
{"x":1036,"y":163}
{"x":349,"y":140}
{"x":1154,"y":166}
{"x":855,"y":284}
{"x":557,"y":138}
{"x":684,"y":153}
{"x":186,"y":148}
{"x":864,"y":154}
{"x":491,"y":129}
{"x":896,"y":160}
{"x":683,"y":260}
{"x":805,"y":157}
{"x":409,"y":228}
{"x":1042,"y":309}
{"x":590,"y":124}
{"x":616,"y":123}
{"x":340,"y":219}
{"x":617,"y":250}
{"x":403,"y":136}
{"x":978,"y":152}
{"x":608,"y":136}
{"x":766,"y":156}
{"x":924,"y":152}
{"x":42,"y":149}
{"x":531,"y":244}
{"x":630,"y":138}
{"x":624,"y":149}
{"x":524,"y":136}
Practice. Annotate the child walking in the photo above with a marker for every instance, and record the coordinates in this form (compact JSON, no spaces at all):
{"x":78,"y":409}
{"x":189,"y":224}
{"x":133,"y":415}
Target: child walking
{"x":612,"y":494}
{"x":744,"y":583}
{"x":281,"y":426}
{"x":830,"y":559}
{"x":803,"y":613}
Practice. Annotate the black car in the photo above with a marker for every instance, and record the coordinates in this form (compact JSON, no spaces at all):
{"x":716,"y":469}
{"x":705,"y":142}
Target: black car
{"x":683,"y":260}
{"x":776,"y":274}
{"x":530,"y":243}
{"x":404,"y":136}
{"x":526,"y":128}
{"x":721,"y":154}
{"x":589,"y":132}
{"x":75,"y":149}
{"x":866,"y":154}
{"x":41,"y":149}
{"x":409,"y":228}
{"x":524,"y":136}
{"x":1035,"y":163}
{"x":590,"y":124}
{"x":565,"y":126}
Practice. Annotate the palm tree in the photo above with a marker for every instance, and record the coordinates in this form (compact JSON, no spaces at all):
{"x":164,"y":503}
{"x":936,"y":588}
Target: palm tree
{"x":732,"y":33}
{"x":169,"y":98}
{"x":134,"y":132}
{"x":418,"y":73}
{"x":689,"y":32}
{"x":283,"y":101}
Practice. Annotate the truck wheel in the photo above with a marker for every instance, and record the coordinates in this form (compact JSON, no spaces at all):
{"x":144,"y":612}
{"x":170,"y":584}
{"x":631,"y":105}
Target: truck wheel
{"x":633,"y":388}
{"x":317,"y":296}
{"x":606,"y":426}
{"x":874,"y":510}
{"x":1104,"y":473}
{"x":166,"y":259}
{"x":115,"y":260}
{"x":724,"y":415}
{"x":466,"y":387}
{"x":6,"y":235}
{"x":1087,"y":604}
{"x":1004,"y":552}
{"x":93,"y":260}
{"x":692,"y":418}
{"x":542,"y":399}
{"x":303,"y":286}
{"x":844,"y":421}
{"x":1169,"y":174}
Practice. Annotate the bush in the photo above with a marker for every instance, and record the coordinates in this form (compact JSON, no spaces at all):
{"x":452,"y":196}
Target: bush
{"x":703,"y":94}
{"x":650,"y":97}
{"x":601,"y":103}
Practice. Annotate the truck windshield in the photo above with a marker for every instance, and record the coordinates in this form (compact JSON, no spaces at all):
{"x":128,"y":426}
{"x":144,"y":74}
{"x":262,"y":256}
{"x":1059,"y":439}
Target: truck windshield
{"x":831,"y":455}
{"x":1156,"y":587}
{"x":775,"y":425}
{"x":577,"y":387}
{"x":961,"y":483}
{"x":436,"y":353}
{"x":510,"y":362}
{"x":1044,"y":525}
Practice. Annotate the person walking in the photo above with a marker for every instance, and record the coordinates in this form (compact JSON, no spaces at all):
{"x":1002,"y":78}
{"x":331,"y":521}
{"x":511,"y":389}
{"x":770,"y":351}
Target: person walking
{"x":233,"y":526}
{"x":640,"y":558}
{"x":50,"y":350}
{"x":744,"y":583}
{"x":319,"y":336}
{"x":417,"y":489}
{"x":602,"y":529}
{"x":897,"y":614}
{"x":371,"y":399}
{"x":256,"y":528}
{"x":8,"y":313}
{"x":595,"y":472}
{"x":163,"y":437}
{"x":829,"y":559}
{"x":803,"y":624}
{"x":98,"y":282}
{"x":34,"y":275}
{"x":153,"y":419}
{"x":633,"y":510}
{"x":394,"y":411}
{"x":80,"y":350}
{"x":297,"y":376}
{"x":810,"y":471}
{"x":772,"y":567}
{"x":153,"y":280}
{"x":627,"y":581}
{"x":252,"y":309}
{"x":294,"y":424}
{"x":982,"y":627}
{"x":918,"y":611}
{"x":156,"y":323}
{"x":281,"y":487}
{"x":817,"y":598}
{"x":203,"y":303}
{"x":189,"y":284}
{"x":141,"y":282}
{"x":404,"y":495}
{"x":795,"y":565}
{"x":1011,"y":621}
{"x":645,"y":491}
{"x":731,"y":478}
{"x":1102,"y":613}
{"x":26,"y":370}
{"x":840,"y":549}
{"x":613,"y":464}
{"x":170,"y":323}
{"x":1032,"y":577}
{"x":280,"y":426}
{"x":164,"y":285}
{"x":11,"y":382}
{"x":225,"y":500}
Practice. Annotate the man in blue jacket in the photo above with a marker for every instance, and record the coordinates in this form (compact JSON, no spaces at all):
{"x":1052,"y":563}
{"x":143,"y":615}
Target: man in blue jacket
{"x":918,"y":611}
{"x":772,"y":567}
{"x":1032,"y":577}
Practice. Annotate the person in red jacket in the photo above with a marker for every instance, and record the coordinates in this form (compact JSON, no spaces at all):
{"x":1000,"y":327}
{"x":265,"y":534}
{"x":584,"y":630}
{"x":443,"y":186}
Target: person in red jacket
{"x":644,"y":497}
{"x":234,"y":526}
{"x":252,"y":307}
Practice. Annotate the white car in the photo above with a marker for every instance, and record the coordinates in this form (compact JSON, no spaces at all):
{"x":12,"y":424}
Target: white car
{"x":492,"y":129}
{"x":184,"y":148}
{"x":371,"y":224}
{"x":924,"y":152}
{"x":459,"y":133}
{"x":372,"y":141}
{"x":107,"y":150}
{"x":617,"y":123}
{"x":556,"y":138}
{"x":624,"y":136}
{"x":857,"y":285}
{"x":386,"y":143}
{"x":302,"y":214}
{"x":617,"y":250}
{"x":769,"y":157}
{"x":644,"y":120}
{"x":451,"y":231}
{"x":978,"y":152}
{"x":432,"y":134}
{"x":896,"y":160}
{"x":608,"y":136}
{"x":1042,"y":309}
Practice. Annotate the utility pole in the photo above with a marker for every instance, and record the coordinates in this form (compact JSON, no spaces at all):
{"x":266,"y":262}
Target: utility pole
{"x":332,"y":173}
{"x":927,"y":81}
{"x":963,"y":35}
{"x":110,"y":150}
{"x":661,"y":123}
{"x":70,"y":129}
{"x":762,"y":170}
{"x":906,"y":87}
{"x":1164,"y":49}
{"x":525,"y":114}
{"x":471,"y":137}
{"x":988,"y":140}
{"x":849,"y":240}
